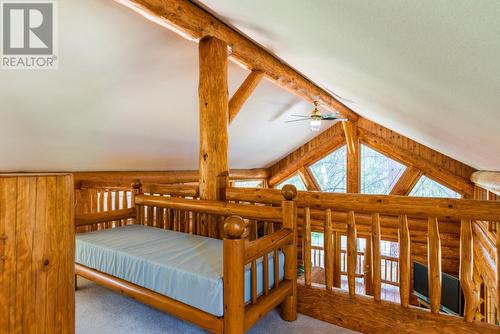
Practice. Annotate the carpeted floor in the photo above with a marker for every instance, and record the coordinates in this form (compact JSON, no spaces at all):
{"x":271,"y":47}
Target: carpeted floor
{"x":101,"y":311}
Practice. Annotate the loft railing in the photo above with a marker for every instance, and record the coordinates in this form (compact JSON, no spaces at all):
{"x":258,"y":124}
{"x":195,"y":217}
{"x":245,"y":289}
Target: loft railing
{"x":345,"y":212}
{"x":334,"y":214}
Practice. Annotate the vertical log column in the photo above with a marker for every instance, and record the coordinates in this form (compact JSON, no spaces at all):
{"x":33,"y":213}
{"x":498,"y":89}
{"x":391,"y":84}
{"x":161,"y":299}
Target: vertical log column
{"x":404,"y":261}
{"x":353,"y":161}
{"x":213,"y":95}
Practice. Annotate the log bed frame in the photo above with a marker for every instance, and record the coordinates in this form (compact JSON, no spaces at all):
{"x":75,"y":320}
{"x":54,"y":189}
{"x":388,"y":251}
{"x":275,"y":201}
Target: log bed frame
{"x":237,"y":251}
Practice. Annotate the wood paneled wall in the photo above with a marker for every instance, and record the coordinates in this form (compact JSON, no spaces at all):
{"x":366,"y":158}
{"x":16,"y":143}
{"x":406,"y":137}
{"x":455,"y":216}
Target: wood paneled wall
{"x":37,"y":254}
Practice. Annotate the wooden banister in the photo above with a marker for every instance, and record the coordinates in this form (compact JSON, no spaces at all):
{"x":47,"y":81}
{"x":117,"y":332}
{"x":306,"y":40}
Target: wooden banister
{"x":434,"y":258}
{"x":212,"y":207}
{"x":103,"y":217}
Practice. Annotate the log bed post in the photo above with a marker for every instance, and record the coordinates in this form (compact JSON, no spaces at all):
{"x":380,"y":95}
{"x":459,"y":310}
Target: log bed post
{"x":234,"y":262}
{"x":136,"y":185}
{"x":289,"y":305}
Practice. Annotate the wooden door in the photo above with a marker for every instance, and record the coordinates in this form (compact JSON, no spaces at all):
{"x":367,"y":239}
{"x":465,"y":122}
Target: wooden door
{"x":37,"y":253}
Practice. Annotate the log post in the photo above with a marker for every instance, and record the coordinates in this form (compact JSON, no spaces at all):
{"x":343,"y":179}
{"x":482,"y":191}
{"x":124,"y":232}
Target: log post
{"x":307,"y":246}
{"x":434,"y":258}
{"x":471,"y":295}
{"x":213,"y":96}
{"x":352,"y":253}
{"x":328,"y":247}
{"x":337,"y":249}
{"x":234,"y":263}
{"x":289,"y":305}
{"x":377,"y":278}
{"x":404,"y":261}
{"x":353,"y":157}
{"x":136,"y":185}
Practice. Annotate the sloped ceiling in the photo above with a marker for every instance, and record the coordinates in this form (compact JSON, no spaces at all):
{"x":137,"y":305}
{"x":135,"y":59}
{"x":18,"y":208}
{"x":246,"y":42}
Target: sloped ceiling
{"x":427,"y":69}
{"x":125,"y":97}
{"x":125,"y":94}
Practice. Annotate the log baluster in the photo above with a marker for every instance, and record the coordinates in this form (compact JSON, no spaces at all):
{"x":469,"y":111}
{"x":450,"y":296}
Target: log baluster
{"x":254,"y":281}
{"x":404,"y":261}
{"x":276,"y":266}
{"x":352,"y":253}
{"x":376,"y":261}
{"x":471,"y":294}
{"x":266,"y":274}
{"x":328,"y":247}
{"x":136,"y":186}
{"x":434,"y":259}
{"x":117,"y":206}
{"x":307,"y":246}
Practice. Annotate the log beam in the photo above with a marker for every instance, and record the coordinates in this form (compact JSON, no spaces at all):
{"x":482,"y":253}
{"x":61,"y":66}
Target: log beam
{"x":192,"y":22}
{"x":456,"y":183}
{"x":243,"y":93}
{"x":213,"y":161}
{"x":407,"y":181}
{"x":308,"y":179}
{"x":353,"y":157}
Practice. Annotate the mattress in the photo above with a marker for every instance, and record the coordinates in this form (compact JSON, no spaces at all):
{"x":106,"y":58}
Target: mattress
{"x":184,"y":267}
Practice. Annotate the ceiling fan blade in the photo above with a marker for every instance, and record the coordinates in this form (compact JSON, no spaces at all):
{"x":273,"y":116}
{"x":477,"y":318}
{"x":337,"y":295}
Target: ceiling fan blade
{"x":306,"y":116}
{"x":336,"y":119}
{"x":330,"y":116}
{"x":296,"y":120}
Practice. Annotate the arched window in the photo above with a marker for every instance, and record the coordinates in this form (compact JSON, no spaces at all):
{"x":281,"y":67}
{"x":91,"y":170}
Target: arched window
{"x":426,"y":187}
{"x":295,"y":180}
{"x":331,"y":171}
{"x":379,"y":173}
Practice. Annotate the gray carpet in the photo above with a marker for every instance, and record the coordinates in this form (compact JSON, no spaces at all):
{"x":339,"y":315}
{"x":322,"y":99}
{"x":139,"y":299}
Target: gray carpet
{"x":101,"y":311}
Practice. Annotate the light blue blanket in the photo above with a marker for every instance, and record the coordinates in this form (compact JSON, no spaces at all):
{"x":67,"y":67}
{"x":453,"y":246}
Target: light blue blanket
{"x":185,"y":267}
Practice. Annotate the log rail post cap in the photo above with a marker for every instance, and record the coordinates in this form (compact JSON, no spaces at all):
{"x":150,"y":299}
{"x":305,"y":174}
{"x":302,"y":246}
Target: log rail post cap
{"x":234,"y":226}
{"x":136,"y":184}
{"x":289,"y":192}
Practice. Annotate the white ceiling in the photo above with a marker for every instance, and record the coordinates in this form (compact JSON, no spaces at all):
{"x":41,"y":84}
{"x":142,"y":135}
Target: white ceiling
{"x":125,"y":94}
{"x":125,"y":98}
{"x":427,"y":69}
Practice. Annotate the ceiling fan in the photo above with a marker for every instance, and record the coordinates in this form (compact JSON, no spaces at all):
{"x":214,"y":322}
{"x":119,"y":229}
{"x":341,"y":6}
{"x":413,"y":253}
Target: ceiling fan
{"x":317,"y":117}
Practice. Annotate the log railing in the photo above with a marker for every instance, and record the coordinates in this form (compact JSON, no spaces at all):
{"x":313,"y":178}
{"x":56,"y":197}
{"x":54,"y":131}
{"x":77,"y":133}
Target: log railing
{"x":238,"y":251}
{"x":341,"y":212}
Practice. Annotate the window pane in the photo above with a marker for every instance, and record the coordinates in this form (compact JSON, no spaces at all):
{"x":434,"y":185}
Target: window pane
{"x":248,"y":184}
{"x":294,"y":180}
{"x":379,"y":173}
{"x":426,"y":187}
{"x":331,"y":171}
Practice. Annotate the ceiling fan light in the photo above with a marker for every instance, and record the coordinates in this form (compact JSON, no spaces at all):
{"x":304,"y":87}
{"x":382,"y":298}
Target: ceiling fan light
{"x":315,"y":125}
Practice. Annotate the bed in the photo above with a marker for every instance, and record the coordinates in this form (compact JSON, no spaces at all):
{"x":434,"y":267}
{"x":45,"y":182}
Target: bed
{"x":224,"y":286}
